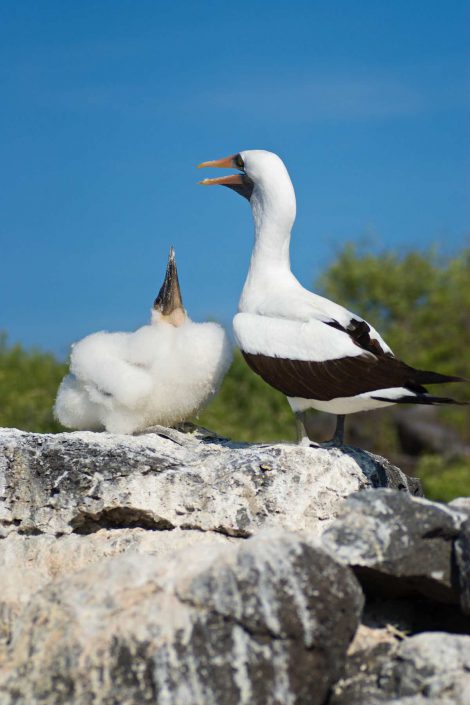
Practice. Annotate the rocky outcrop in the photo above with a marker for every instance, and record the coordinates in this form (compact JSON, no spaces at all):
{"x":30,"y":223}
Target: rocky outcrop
{"x":432,"y":668}
{"x":82,"y":482}
{"x":462,"y":554}
{"x":29,"y":563}
{"x":399,"y":545}
{"x":266,"y":622}
{"x":175,"y":486}
{"x":177,"y":568}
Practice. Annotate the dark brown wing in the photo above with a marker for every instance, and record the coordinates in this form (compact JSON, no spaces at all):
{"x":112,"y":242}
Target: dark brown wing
{"x":343,"y":377}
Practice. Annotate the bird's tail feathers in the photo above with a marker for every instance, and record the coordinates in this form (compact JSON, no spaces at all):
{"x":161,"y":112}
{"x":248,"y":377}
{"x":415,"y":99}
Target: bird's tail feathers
{"x":427,"y":377}
{"x":427,"y":399}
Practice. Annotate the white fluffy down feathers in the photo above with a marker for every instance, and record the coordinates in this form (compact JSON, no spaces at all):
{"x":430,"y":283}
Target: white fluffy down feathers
{"x":159,"y":374}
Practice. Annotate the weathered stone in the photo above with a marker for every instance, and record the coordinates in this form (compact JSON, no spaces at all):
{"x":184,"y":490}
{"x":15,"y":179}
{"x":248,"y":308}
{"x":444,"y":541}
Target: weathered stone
{"x":262,"y":622}
{"x":28,"y":563}
{"x":431,"y":668}
{"x":359,"y":683}
{"x":462,"y":555}
{"x":461,"y":504}
{"x":81,"y":482}
{"x":398,"y":544}
{"x":433,"y":664}
{"x":126,"y":576}
{"x":69,"y":500}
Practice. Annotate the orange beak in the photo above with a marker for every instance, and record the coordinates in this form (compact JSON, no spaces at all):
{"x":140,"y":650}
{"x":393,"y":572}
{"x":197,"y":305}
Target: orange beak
{"x":226,"y":163}
{"x":230,"y":180}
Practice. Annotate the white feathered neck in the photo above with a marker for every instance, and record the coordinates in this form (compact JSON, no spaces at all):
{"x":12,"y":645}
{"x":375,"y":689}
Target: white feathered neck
{"x":273,"y":206}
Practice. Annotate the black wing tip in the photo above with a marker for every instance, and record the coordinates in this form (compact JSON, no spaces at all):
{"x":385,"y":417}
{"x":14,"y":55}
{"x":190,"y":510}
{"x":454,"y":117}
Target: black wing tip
{"x":428,"y":377}
{"x":427,"y":399}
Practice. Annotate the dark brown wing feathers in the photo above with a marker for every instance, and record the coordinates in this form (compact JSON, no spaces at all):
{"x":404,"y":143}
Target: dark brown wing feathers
{"x":344,"y":377}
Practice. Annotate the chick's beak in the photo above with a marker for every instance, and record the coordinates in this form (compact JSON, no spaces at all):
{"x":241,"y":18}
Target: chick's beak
{"x":169,"y":301}
{"x":226,"y":163}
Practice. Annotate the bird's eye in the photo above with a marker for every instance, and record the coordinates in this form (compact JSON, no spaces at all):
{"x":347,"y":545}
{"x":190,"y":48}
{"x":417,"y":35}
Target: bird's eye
{"x":239,"y":162}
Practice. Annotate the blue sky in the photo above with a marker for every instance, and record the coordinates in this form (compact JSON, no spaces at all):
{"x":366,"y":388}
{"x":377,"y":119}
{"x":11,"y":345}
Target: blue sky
{"x":108,"y":106}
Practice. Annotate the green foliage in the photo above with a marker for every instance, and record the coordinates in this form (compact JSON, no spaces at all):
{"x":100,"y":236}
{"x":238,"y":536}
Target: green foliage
{"x":247,"y":409}
{"x":28,"y":384}
{"x":444,"y":480}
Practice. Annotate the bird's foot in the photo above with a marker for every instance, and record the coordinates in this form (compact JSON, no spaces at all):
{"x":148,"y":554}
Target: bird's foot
{"x":333,"y":443}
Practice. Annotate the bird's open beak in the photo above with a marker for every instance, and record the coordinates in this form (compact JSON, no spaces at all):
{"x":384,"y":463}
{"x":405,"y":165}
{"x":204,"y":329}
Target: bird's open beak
{"x":241,"y":183}
{"x":169,"y":302}
{"x":226,"y":163}
{"x":230,"y":180}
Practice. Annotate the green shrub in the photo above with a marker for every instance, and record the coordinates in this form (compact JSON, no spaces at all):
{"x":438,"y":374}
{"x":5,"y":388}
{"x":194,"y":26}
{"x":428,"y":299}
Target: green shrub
{"x":28,"y":384}
{"x":444,"y":480}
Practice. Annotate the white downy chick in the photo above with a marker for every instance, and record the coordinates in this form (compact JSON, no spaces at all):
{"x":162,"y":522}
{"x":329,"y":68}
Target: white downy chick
{"x":162,"y":373}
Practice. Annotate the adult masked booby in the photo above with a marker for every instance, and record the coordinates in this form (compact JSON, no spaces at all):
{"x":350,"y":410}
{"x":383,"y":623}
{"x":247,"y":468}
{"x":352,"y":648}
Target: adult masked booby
{"x":319,"y":354}
{"x":162,"y":373}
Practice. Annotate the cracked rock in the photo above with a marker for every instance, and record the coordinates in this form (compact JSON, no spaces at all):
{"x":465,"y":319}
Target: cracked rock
{"x":432,"y":668}
{"x":397,"y":544}
{"x":260,"y":622}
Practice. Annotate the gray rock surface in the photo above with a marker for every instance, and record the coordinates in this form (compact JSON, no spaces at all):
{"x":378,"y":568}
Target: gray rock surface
{"x":462,"y":556}
{"x":81,"y":482}
{"x":398,"y":544}
{"x":262,"y":622}
{"x":70,"y":500}
{"x":28,"y":563}
{"x":462,"y":504}
{"x":162,"y":569}
{"x":432,"y":668}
